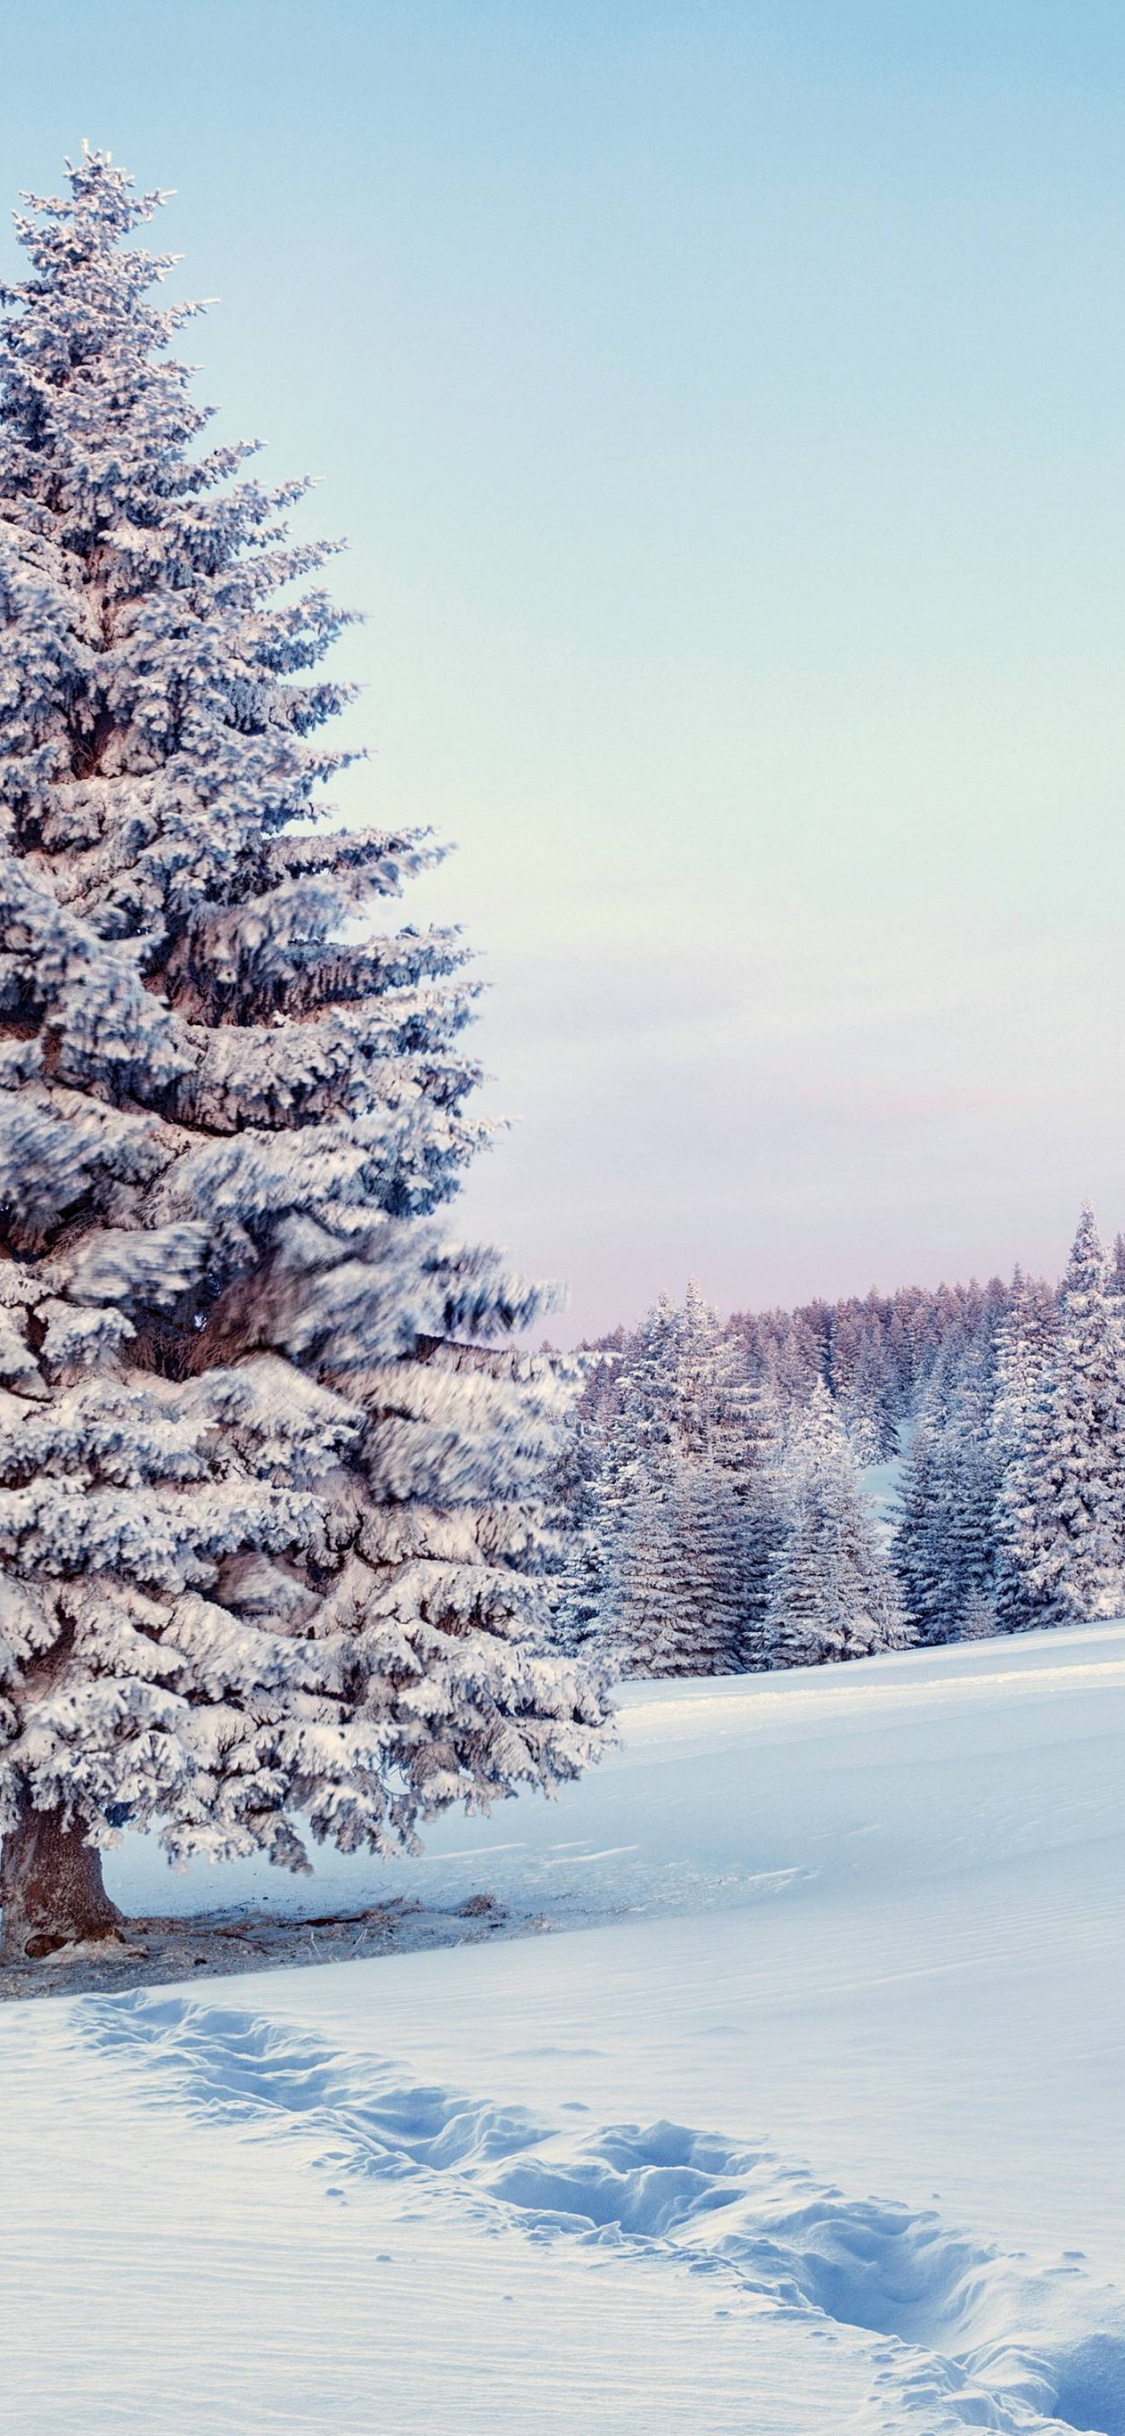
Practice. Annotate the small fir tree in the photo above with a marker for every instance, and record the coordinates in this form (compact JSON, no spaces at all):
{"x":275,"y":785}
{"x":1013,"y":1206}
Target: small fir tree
{"x":728,"y":1430}
{"x":869,"y":1406}
{"x":970,"y":1486}
{"x":582,"y":1534}
{"x":631,"y":1466}
{"x":270,"y":1523}
{"x":832,"y":1593}
{"x":944,"y":1547}
{"x":916,"y":1549}
{"x":1117,"y":1264}
{"x":716,"y":1559}
{"x":1062,"y":1506}
{"x":645,"y":1615}
{"x":1025,"y":1350}
{"x":679,"y":1607}
{"x":693,"y":1441}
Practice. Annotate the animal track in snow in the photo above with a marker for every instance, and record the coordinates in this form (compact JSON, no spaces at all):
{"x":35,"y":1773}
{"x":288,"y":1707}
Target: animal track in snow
{"x":959,"y":2318}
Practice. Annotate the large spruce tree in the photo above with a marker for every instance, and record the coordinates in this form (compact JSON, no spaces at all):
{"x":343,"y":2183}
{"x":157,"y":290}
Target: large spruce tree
{"x":269,"y":1504}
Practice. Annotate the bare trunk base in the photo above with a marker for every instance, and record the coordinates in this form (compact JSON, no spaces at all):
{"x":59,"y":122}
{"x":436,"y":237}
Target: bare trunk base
{"x":51,"y":1888}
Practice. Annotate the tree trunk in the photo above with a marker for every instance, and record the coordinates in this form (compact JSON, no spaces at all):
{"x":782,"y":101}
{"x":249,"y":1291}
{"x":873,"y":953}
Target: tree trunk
{"x":51,"y":1887}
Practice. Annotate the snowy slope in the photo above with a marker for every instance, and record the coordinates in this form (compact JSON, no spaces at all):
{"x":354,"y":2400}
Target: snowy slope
{"x":820,"y":2127}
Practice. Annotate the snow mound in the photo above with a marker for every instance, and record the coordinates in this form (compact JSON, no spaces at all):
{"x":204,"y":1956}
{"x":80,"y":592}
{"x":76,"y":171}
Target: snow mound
{"x":969,"y":2328}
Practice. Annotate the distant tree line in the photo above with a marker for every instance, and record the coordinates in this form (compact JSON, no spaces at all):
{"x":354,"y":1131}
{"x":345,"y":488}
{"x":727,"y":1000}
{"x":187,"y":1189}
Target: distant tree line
{"x":712,"y":1509}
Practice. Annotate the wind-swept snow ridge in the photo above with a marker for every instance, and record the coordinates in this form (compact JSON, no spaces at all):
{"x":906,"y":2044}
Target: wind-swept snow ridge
{"x":963,"y":2322}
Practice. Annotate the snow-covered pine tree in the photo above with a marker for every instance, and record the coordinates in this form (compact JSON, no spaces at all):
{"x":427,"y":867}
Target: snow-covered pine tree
{"x":717,"y":1560}
{"x":1117,"y":1264}
{"x":693,"y":1437}
{"x":944,"y":1546}
{"x":680,"y":1607}
{"x":728,"y":1429}
{"x":582,"y":1532}
{"x":917,"y":1547}
{"x":832,"y":1593}
{"x":1025,"y":1349}
{"x":971,"y":1484}
{"x":869,"y":1408}
{"x":269,"y":1521}
{"x":630,"y":1468}
{"x":1062,"y":1506}
{"x":714,"y":1415}
{"x":642,"y":1621}
{"x":619,"y":1557}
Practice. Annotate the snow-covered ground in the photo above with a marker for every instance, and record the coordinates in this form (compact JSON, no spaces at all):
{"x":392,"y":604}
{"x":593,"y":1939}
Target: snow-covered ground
{"x":819,"y":2127}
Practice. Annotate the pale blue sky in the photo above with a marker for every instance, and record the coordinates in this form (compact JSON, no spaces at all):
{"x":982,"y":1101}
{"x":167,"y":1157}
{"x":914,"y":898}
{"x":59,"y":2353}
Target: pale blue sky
{"x":726,"y":405}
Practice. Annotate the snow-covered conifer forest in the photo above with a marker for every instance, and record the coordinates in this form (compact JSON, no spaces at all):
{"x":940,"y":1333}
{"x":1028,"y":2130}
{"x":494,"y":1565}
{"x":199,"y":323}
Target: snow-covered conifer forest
{"x":913,"y":1468}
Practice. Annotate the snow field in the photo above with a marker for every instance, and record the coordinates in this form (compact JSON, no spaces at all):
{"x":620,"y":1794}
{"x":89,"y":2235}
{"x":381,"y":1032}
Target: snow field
{"x":755,"y":2222}
{"x":835,"y":2147}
